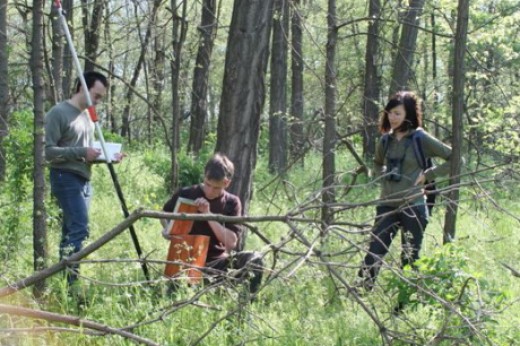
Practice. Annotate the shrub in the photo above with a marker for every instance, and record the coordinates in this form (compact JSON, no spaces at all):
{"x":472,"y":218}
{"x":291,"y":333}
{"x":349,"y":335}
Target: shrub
{"x":16,"y":197}
{"x":459,"y":304}
{"x":191,"y":168}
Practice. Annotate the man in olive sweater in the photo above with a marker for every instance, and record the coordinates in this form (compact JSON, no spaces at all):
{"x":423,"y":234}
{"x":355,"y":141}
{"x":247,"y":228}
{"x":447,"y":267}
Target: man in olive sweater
{"x":69,"y":134}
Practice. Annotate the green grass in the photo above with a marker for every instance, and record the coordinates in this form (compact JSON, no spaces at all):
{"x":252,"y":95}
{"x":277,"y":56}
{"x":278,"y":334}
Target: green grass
{"x":304,"y":303}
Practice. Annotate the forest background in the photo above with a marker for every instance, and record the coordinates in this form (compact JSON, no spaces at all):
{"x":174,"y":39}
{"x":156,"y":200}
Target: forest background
{"x":291,"y":91}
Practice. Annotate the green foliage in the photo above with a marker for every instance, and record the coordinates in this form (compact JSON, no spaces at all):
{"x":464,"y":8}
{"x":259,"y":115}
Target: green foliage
{"x":16,"y":195}
{"x":191,"y":168}
{"x":302,"y":304}
{"x":450,"y":293}
{"x":110,"y":136}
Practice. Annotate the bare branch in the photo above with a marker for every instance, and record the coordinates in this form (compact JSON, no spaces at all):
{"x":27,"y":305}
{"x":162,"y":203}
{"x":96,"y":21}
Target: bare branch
{"x":72,"y":320}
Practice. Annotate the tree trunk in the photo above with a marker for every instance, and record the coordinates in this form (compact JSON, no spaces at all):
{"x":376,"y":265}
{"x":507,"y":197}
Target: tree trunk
{"x":457,"y":116}
{"x":91,"y":30}
{"x":297,"y":137}
{"x":199,"y":94}
{"x":243,"y":90}
{"x":278,"y":99}
{"x":68,"y":65}
{"x":157,"y":71}
{"x":57,"y":56}
{"x":179,"y":36}
{"x":372,"y":88}
{"x":403,"y":62}
{"x":39,"y":213}
{"x":125,"y":129}
{"x":112,"y":122}
{"x":436,"y":87}
{"x":329,"y":138}
{"x":4,"y":87}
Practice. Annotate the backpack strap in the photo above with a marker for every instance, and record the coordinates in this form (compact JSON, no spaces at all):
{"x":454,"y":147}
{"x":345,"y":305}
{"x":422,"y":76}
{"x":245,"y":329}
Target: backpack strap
{"x":425,"y":163}
{"x":421,"y":158}
{"x":417,"y":145}
{"x":385,"y":139}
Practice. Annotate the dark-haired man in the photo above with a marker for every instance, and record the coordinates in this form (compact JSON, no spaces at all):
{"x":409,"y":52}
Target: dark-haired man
{"x":69,"y":134}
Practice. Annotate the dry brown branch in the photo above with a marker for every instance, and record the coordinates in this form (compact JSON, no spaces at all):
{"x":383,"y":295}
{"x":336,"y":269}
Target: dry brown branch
{"x":514,"y":272}
{"x":214,"y":325}
{"x":38,"y":330}
{"x":72,"y":320}
{"x":306,"y":251}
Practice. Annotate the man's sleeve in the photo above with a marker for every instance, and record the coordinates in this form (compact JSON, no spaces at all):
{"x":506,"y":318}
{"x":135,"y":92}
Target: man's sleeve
{"x":435,"y":148}
{"x":234,"y":208}
{"x":170,"y":204}
{"x":53,"y":133}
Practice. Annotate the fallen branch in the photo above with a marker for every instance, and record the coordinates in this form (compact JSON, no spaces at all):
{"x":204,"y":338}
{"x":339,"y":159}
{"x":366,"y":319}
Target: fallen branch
{"x":72,"y":320}
{"x":514,"y":272}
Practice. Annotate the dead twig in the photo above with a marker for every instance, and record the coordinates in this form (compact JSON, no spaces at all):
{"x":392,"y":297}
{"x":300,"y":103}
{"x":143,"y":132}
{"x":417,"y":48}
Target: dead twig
{"x":73,"y":320}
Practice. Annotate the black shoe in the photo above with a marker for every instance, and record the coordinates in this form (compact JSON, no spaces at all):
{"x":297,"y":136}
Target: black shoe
{"x":363,"y":286}
{"x":398,"y":308}
{"x":78,"y":294}
{"x":172,"y":289}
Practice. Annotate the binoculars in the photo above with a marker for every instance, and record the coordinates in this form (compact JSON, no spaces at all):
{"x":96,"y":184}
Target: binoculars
{"x":393,"y":171}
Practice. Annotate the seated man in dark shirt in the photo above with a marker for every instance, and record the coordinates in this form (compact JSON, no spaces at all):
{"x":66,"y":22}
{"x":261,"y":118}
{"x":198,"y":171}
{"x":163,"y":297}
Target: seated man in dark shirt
{"x":211,"y":197}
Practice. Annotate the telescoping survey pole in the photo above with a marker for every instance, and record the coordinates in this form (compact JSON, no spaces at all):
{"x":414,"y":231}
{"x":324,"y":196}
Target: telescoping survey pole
{"x":92,"y":113}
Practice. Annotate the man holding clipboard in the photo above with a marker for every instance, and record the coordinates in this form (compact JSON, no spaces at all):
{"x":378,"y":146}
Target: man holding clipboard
{"x":69,"y":134}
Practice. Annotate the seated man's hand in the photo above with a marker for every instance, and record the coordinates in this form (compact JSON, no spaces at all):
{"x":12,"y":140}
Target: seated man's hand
{"x":166,"y":232}
{"x":203,"y":205}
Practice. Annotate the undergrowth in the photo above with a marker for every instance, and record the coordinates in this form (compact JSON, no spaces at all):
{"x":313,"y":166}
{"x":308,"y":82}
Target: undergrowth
{"x":305,"y":299}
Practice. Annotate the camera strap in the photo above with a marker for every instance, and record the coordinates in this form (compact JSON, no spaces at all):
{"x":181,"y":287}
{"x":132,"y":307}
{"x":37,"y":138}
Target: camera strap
{"x":415,"y":139}
{"x":386,"y":139}
{"x":423,"y":161}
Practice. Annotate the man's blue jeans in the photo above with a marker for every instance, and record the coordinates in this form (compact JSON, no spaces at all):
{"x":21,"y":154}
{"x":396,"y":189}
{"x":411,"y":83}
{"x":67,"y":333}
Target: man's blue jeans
{"x":73,"y":193}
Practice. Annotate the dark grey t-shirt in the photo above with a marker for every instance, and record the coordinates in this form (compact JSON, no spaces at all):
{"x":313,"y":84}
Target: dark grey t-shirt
{"x":68,"y":134}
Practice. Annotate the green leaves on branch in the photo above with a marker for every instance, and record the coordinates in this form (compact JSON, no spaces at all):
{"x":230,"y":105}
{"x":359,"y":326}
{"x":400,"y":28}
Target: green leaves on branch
{"x":457,"y":303}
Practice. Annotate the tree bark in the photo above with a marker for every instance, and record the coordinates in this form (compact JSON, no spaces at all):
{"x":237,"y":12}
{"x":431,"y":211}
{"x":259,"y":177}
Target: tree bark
{"x":179,"y":30}
{"x":296,"y":127}
{"x":199,"y":94}
{"x":403,"y":64}
{"x":110,"y":105}
{"x":461,"y":37}
{"x":4,"y":87}
{"x":329,"y":138}
{"x":39,"y":212}
{"x":243,"y":90}
{"x":157,"y":71}
{"x":68,"y":65}
{"x":278,"y":99}
{"x":91,"y":30}
{"x":57,"y":56}
{"x":372,"y":88}
{"x":125,"y":129}
{"x":436,"y":87}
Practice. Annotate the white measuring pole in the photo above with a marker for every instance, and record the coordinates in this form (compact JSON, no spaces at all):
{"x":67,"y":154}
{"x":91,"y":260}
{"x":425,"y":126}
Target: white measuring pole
{"x":90,"y":106}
